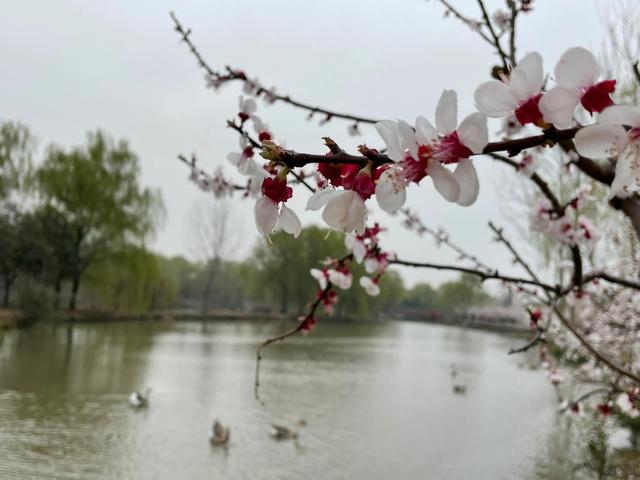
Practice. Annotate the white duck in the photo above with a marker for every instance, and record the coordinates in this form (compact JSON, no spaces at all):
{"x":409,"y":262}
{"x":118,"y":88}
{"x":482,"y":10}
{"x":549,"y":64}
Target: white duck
{"x":219,"y":434}
{"x":140,"y":400}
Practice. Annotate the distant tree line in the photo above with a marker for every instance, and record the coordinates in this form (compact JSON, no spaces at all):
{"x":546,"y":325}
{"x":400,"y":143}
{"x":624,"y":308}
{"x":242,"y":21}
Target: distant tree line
{"x":76,"y":212}
{"x":73,"y":229}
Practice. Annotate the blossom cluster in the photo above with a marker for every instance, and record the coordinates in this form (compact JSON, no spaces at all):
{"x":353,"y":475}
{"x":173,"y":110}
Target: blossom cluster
{"x":570,"y":227}
{"x":363,"y":248}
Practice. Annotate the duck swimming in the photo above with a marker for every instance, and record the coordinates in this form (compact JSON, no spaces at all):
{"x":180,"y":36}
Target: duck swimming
{"x":219,"y":434}
{"x":139,"y":400}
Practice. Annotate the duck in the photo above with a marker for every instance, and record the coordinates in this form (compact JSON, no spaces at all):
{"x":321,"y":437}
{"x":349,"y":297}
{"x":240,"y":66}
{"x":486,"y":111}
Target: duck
{"x":459,"y":389}
{"x":280,"y":432}
{"x":140,"y":400}
{"x":219,"y":434}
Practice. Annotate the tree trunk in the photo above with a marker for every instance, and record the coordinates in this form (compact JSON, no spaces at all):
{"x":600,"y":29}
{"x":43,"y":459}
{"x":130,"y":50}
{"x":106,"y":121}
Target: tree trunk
{"x":207,"y":289}
{"x":57,"y":288}
{"x":74,"y":290}
{"x":7,"y":291}
{"x":284,"y":298}
{"x":78,"y":268}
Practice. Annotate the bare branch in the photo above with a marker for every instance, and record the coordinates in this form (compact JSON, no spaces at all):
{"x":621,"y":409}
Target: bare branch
{"x":495,"y":40}
{"x":495,"y":275}
{"x":599,"y":355}
{"x":517,"y":257}
{"x":538,"y":338}
{"x":289,"y":333}
{"x":231,"y":74}
{"x":634,"y":284}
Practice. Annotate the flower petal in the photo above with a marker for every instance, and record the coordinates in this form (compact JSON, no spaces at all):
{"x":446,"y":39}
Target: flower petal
{"x":370,"y":286}
{"x":577,"y":68}
{"x":319,"y":198}
{"x":558,"y":105}
{"x":425,"y":132}
{"x":621,"y":115}
{"x":345,"y":211}
{"x":473,"y":132}
{"x":627,"y":178}
{"x":390,"y":190}
{"x":320,"y":277}
{"x":447,"y":112}
{"x":355,"y":246}
{"x":600,"y":141}
{"x":289,"y":222}
{"x":235,"y":158}
{"x":527,"y":78}
{"x":443,"y":180}
{"x":390,"y":133}
{"x":408,"y":136}
{"x":266,"y":214}
{"x":494,"y":99}
{"x":465,"y":174}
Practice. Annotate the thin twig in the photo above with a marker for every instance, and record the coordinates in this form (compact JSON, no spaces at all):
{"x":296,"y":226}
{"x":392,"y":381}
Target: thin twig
{"x":472,"y":24}
{"x":494,"y":36}
{"x":587,"y":395}
{"x":495,"y":275}
{"x":292,"y":331}
{"x":236,"y":75}
{"x":518,"y":258}
{"x":600,"y":356}
{"x":538,"y":337}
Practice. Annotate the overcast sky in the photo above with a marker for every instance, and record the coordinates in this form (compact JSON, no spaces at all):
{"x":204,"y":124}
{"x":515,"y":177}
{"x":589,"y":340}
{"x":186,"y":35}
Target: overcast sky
{"x":70,"y":66}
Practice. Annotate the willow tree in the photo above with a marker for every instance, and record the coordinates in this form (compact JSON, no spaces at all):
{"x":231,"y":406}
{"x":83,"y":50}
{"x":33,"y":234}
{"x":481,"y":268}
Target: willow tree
{"x":97,"y":189}
{"x":16,"y":151}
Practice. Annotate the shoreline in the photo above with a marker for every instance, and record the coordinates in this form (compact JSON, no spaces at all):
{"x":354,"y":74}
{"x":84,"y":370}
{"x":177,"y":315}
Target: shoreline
{"x":12,"y":319}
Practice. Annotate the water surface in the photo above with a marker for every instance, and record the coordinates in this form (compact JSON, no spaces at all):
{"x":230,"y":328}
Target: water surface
{"x":377,"y":400}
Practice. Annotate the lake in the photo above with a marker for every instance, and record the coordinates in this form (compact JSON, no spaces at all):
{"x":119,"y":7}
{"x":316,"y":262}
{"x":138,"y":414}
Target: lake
{"x":377,"y":400}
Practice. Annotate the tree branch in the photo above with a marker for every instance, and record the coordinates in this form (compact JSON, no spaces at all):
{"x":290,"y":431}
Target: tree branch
{"x":501,"y":238}
{"x":236,"y":75}
{"x":495,"y":40}
{"x":472,"y":24}
{"x":512,"y":147}
{"x":479,"y":273}
{"x":600,"y":356}
{"x":289,"y":333}
{"x":538,"y":337}
{"x":542,"y":185}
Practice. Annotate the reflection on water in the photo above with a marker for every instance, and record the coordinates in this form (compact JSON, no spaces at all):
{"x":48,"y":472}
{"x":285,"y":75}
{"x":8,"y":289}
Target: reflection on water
{"x":377,"y":400}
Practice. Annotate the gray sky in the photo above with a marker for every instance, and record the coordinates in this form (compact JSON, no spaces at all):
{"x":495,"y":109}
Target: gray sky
{"x":70,"y":66}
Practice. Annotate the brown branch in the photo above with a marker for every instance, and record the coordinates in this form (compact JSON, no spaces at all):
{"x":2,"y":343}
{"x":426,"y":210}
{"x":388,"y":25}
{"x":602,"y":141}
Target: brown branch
{"x":472,"y":24}
{"x":495,"y":275}
{"x":512,"y":31}
{"x":587,"y":395}
{"x":512,"y":147}
{"x":542,"y":185}
{"x":600,"y":171}
{"x":292,"y":331}
{"x":631,"y":208}
{"x":518,"y":258}
{"x":611,"y":279}
{"x":538,"y":338}
{"x":636,"y":72}
{"x":441,"y":237}
{"x":495,"y":40}
{"x":192,"y":164}
{"x":255,"y":144}
{"x":236,"y":75}
{"x":600,"y":356}
{"x":558,"y":208}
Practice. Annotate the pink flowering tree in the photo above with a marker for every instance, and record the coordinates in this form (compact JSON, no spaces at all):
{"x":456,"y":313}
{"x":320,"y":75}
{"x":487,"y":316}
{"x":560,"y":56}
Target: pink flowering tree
{"x":574,"y":119}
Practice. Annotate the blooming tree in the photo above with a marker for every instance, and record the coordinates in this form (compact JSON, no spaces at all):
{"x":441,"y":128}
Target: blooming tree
{"x":591,"y":312}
